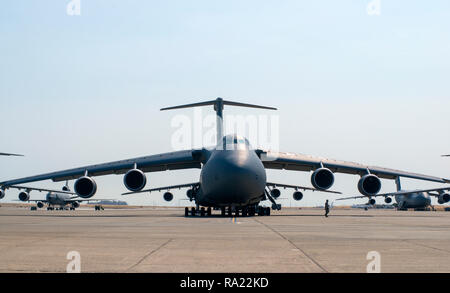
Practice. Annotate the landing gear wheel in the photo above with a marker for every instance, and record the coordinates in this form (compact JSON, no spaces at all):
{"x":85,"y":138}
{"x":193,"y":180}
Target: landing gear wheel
{"x":202,"y":212}
{"x":208,"y":212}
{"x":222,"y":212}
{"x":186,"y":211}
{"x":251,"y":212}
{"x":261,"y":211}
{"x":267,"y":212}
{"x":193,"y":212}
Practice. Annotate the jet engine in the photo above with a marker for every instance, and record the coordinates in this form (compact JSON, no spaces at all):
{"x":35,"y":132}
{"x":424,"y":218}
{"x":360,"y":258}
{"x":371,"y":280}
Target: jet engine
{"x":297,"y":195}
{"x":388,"y":200}
{"x":190,"y":194}
{"x":275,"y":193}
{"x":40,"y":205}
{"x":443,"y":198}
{"x":134,"y":180}
{"x":75,"y":204}
{"x":168,"y":196}
{"x":24,"y":196}
{"x":2,"y":193}
{"x":65,"y":188}
{"x":322,"y":178}
{"x":369,"y":185}
{"x":85,"y":187}
{"x":372,"y":201}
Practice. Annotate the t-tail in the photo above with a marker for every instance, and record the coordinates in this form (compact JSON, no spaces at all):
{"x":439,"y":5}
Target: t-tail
{"x":218,"y":107}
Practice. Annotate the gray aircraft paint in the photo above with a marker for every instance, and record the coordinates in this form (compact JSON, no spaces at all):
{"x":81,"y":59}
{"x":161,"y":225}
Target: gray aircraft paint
{"x":233,"y":175}
{"x":413,"y":201}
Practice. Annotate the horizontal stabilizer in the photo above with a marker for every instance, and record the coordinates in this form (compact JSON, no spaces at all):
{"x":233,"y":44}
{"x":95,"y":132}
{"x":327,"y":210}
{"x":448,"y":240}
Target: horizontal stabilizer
{"x":216,"y":102}
{"x":7,"y":154}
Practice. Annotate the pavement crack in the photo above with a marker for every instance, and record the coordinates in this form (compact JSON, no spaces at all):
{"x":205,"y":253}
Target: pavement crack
{"x":293,"y":244}
{"x":149,"y":254}
{"x":426,"y":246}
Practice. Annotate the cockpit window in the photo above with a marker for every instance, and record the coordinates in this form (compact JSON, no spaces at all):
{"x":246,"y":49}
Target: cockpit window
{"x":233,"y":142}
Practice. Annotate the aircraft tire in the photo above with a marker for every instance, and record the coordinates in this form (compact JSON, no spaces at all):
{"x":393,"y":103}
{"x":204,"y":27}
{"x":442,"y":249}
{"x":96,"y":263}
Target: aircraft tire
{"x":186,"y":211}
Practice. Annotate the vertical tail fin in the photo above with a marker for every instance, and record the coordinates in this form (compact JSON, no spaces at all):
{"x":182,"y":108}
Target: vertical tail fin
{"x":218,"y":107}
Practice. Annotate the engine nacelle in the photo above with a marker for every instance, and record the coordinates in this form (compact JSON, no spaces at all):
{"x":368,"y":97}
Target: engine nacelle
{"x":369,"y":185}
{"x":443,"y":198}
{"x":75,"y":204}
{"x":297,"y":195}
{"x":24,"y":196}
{"x":190,"y":194}
{"x":2,"y":193}
{"x":388,"y":200}
{"x":134,"y":180}
{"x":85,"y":187}
{"x":275,"y":193}
{"x":168,"y":196}
{"x":322,"y":178}
{"x":372,"y":201}
{"x":40,"y":205}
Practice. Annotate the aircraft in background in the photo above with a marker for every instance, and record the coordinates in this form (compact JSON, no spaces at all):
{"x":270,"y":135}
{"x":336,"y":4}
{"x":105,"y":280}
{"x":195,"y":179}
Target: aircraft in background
{"x":233,"y":175}
{"x":60,"y":198}
{"x":446,"y":155}
{"x":410,"y":199}
{"x":7,"y":154}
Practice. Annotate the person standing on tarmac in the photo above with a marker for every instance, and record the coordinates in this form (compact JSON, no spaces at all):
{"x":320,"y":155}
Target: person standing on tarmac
{"x":327,"y":208}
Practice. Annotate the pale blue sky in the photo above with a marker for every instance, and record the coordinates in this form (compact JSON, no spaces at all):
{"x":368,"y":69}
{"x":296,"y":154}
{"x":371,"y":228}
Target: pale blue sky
{"x":85,"y":89}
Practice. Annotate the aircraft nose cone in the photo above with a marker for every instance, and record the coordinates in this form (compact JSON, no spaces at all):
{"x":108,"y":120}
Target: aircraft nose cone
{"x":234,"y":178}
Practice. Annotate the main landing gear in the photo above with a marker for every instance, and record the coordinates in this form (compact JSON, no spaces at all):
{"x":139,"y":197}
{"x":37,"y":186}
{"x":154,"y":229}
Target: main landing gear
{"x":197,"y":212}
{"x":248,"y":211}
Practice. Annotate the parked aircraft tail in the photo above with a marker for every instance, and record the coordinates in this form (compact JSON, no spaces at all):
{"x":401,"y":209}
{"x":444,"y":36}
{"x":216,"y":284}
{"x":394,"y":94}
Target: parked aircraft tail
{"x":218,"y":107}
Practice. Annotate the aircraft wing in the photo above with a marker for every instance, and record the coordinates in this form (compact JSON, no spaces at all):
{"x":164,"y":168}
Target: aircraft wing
{"x":165,"y":188}
{"x":161,"y":162}
{"x":402,"y":193}
{"x":6,"y":154}
{"x":27,"y":188}
{"x":300,"y":162}
{"x":32,"y":200}
{"x":296,"y":187}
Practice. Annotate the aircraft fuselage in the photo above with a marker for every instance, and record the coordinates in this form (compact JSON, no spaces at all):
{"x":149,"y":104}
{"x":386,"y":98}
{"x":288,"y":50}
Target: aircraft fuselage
{"x":233,"y":177}
{"x":413,"y":201}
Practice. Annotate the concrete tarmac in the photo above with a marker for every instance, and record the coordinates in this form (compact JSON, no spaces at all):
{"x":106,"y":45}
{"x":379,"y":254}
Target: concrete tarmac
{"x":163,"y":240}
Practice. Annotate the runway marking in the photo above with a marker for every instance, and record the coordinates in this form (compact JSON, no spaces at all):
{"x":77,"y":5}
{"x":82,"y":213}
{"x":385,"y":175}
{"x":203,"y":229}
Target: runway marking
{"x":149,"y":254}
{"x":293,"y":244}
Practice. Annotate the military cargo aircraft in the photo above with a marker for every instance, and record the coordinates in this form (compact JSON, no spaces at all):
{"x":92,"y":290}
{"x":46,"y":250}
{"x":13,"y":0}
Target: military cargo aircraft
{"x":410,"y":199}
{"x":55,"y":199}
{"x":233,"y":175}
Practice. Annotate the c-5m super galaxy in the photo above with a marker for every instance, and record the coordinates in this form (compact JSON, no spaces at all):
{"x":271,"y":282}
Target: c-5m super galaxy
{"x":55,"y":199}
{"x":233,"y":175}
{"x":419,"y":199}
